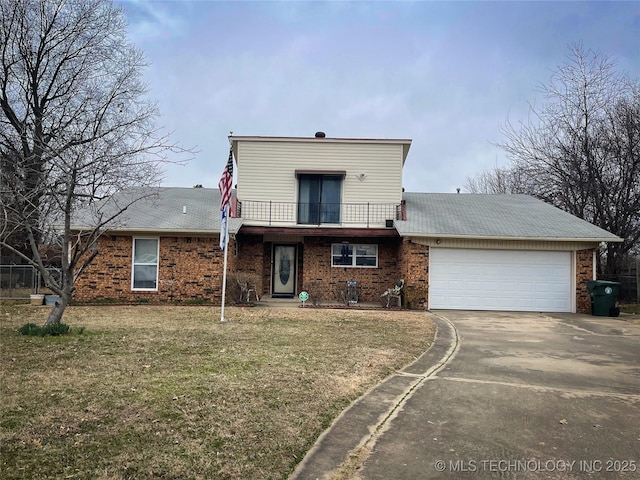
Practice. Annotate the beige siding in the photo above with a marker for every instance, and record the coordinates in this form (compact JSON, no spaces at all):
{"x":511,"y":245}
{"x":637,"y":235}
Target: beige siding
{"x":266,"y":170}
{"x":504,"y":244}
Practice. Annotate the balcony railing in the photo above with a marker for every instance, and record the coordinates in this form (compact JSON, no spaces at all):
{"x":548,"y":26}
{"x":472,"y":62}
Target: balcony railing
{"x":325,"y":214}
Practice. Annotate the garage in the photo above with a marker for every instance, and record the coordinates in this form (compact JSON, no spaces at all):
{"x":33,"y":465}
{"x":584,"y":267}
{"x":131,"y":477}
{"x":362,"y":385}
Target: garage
{"x":510,"y":280}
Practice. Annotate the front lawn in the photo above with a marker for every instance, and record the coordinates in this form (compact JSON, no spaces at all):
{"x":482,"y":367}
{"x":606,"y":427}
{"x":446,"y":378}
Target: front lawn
{"x":170,"y":392}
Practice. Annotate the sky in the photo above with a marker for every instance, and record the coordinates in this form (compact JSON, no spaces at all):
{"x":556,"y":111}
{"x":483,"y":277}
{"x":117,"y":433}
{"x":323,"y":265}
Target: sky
{"x":447,"y":75}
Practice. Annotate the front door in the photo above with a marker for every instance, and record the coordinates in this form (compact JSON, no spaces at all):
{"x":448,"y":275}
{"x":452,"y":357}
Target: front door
{"x":284,"y":270}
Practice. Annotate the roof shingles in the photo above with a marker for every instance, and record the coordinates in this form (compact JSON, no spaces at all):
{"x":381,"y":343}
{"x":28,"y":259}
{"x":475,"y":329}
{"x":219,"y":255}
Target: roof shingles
{"x":162,"y":211}
{"x":486,"y":216}
{"x":428,"y":214}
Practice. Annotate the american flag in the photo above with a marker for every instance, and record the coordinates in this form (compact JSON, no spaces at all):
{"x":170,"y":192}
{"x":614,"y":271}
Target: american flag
{"x":225,"y":182}
{"x":225,"y":200}
{"x":224,"y":228}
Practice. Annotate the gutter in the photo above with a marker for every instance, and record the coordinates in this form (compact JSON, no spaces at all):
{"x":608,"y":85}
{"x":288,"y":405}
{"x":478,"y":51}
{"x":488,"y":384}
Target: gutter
{"x":614,"y":238}
{"x":155,"y":231}
{"x":234,"y":226}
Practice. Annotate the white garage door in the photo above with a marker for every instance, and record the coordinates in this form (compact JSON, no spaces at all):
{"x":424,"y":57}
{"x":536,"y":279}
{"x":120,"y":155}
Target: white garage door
{"x":515,"y":280}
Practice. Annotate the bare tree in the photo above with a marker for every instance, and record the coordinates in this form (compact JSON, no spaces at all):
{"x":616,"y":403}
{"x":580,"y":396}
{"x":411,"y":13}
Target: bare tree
{"x":617,"y":180}
{"x":498,"y":181}
{"x":75,"y":128}
{"x":579,"y":150}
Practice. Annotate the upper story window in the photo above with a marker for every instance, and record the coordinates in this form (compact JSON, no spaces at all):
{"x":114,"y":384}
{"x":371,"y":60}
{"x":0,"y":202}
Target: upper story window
{"x":319,"y":198}
{"x":354,"y":255}
{"x":145,"y":264}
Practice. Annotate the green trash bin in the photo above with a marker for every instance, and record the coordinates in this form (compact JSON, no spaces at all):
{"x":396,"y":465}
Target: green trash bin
{"x":603,"y":297}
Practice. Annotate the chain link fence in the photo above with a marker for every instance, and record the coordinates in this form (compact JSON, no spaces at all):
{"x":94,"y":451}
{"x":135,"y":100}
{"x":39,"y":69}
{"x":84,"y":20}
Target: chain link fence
{"x":20,"y":281}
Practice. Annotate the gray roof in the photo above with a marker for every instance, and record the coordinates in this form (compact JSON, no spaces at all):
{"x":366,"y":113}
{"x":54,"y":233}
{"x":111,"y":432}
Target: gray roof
{"x":452,"y":215}
{"x":446,"y":215}
{"x":161,"y":210}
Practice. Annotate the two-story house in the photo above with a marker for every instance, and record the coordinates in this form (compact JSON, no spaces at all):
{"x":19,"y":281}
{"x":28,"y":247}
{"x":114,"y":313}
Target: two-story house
{"x":320,"y":212}
{"x":313,"y":213}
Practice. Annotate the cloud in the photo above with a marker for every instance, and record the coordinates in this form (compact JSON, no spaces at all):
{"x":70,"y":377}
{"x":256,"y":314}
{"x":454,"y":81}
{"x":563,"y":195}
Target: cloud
{"x":152,"y":21}
{"x":446,"y":74}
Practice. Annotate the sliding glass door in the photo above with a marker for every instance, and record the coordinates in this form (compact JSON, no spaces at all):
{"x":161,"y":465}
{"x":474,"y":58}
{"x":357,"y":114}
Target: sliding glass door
{"x":319,"y":198}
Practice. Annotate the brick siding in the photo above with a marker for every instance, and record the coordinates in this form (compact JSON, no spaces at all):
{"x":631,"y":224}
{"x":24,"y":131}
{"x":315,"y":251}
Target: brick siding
{"x":190,"y":269}
{"x":584,"y":273}
{"x":414,"y":265}
{"x":249,"y":258}
{"x":314,"y":270}
{"x":320,"y":275}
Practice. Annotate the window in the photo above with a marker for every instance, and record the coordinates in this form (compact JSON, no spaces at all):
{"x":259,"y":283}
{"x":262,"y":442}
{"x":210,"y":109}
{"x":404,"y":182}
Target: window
{"x":145,"y":264}
{"x":354,"y":255}
{"x":319,"y":198}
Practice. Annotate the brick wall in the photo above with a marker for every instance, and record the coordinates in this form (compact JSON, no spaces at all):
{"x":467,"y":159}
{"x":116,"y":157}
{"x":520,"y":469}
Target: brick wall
{"x":584,"y":273}
{"x":414,"y":267}
{"x":330,"y":280}
{"x":314,"y":266}
{"x":250,"y":259}
{"x":190,"y":269}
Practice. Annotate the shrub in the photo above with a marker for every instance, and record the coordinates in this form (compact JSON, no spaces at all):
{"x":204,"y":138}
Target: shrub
{"x":316,"y":293}
{"x":31,"y":329}
{"x":413,"y":298}
{"x":54,"y":329}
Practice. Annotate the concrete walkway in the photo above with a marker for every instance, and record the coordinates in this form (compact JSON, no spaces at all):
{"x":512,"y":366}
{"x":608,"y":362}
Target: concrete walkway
{"x":361,"y":422}
{"x":498,"y":395}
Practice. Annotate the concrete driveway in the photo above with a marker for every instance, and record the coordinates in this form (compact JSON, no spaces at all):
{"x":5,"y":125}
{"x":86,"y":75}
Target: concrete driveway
{"x":499,"y":395}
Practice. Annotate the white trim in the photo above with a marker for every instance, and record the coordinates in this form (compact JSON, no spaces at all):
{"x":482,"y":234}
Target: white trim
{"x":166,"y":233}
{"x":133,"y":264}
{"x":355,"y":257}
{"x":387,"y":141}
{"x":574,"y":283}
{"x":432,"y":236}
{"x":495,"y":244}
{"x":594,"y":267}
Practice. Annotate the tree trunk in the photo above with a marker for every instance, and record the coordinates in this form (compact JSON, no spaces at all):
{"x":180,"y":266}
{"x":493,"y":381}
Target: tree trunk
{"x":55,"y":317}
{"x":68,"y":141}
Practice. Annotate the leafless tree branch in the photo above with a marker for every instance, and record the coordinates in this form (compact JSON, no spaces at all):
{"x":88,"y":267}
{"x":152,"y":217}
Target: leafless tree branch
{"x":579,"y":150}
{"x":76,"y":126}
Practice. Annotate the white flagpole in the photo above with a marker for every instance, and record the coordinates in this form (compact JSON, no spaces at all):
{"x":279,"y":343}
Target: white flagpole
{"x":225,"y":241}
{"x":224,"y":284}
{"x":224,"y":271}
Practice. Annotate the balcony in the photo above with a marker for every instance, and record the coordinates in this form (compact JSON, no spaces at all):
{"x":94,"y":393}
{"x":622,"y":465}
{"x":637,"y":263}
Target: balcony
{"x":353,"y":215}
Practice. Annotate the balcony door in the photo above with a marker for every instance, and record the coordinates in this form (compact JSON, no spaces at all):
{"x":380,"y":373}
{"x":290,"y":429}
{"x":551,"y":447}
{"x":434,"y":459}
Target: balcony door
{"x":319,"y":198}
{"x":284,"y":271}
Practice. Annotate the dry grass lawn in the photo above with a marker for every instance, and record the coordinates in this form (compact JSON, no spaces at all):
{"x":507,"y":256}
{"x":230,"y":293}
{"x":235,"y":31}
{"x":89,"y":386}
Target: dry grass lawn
{"x":170,"y":392}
